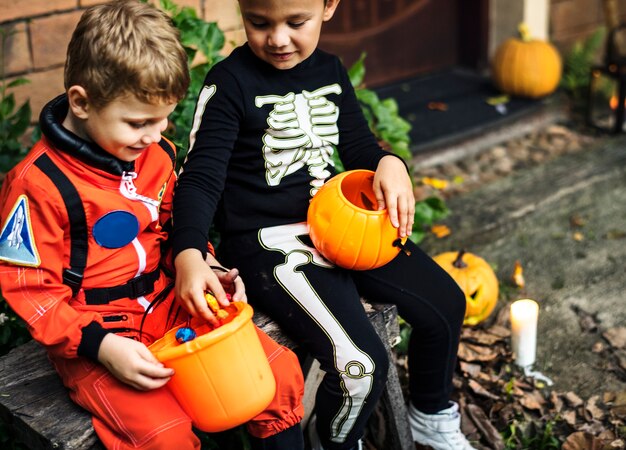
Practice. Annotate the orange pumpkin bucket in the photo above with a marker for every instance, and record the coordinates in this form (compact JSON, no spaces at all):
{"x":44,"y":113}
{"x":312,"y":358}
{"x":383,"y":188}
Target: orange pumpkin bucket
{"x":346,"y":227}
{"x":223,"y":378}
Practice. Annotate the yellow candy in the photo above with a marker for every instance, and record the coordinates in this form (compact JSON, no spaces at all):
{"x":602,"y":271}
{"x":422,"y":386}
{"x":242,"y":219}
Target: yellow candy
{"x":212,"y":301}
{"x":215,"y":306}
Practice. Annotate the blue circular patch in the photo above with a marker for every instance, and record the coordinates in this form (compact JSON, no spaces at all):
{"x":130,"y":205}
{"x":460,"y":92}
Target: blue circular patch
{"x":116,"y":229}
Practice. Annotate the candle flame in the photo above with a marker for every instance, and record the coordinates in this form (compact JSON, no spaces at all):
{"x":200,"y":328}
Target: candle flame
{"x":613,"y":102}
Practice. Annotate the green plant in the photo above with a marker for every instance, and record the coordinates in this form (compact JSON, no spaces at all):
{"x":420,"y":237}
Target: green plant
{"x":577,"y":65}
{"x":13,"y":331}
{"x":427,"y":212}
{"x":382,"y":115}
{"x":14,"y":121}
{"x":196,"y":35}
{"x":530,"y":436}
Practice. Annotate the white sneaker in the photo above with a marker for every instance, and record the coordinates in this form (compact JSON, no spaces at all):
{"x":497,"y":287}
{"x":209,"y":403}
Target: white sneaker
{"x":441,"y":431}
{"x":314,"y":438}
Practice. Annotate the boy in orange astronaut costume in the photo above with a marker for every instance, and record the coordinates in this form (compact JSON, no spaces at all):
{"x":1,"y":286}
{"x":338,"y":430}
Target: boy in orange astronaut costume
{"x":83,"y":238}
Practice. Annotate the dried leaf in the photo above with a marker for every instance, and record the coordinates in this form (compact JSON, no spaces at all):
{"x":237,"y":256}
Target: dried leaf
{"x":588,"y":322}
{"x":573,"y":400}
{"x":621,"y":359}
{"x":582,"y":441}
{"x":597,"y":347}
{"x":614,"y":398}
{"x":518,"y":275}
{"x":478,"y":389}
{"x":436,"y":183}
{"x":576,"y":221}
{"x":437,"y":106}
{"x":483,"y":337}
{"x":487,"y":430}
{"x":470,"y":369}
{"x":592,"y":408}
{"x":616,"y":234}
{"x":616,"y":337}
{"x":440,"y":231}
{"x":498,"y":100}
{"x":470,"y":352}
{"x":556,"y":401}
{"x":533,"y":401}
{"x":499,"y":330}
{"x":570,"y":417}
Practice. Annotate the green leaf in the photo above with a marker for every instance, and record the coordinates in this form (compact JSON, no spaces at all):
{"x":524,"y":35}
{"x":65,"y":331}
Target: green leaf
{"x":7,"y":105}
{"x":18,"y":82}
{"x":21,"y":120}
{"x":356,"y":72}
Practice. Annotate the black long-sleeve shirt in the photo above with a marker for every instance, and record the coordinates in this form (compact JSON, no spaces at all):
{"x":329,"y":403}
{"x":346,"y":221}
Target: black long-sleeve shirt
{"x":261,"y":144}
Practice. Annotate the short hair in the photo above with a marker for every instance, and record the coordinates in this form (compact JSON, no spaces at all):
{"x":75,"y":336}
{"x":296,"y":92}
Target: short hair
{"x":127,"y":47}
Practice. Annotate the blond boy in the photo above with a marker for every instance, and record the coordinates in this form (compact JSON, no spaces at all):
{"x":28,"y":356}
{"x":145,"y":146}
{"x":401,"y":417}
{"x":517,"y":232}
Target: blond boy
{"x":83,"y":240}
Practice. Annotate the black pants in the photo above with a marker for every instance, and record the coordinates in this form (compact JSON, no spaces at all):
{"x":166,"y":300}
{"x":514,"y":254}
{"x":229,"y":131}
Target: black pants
{"x":319,"y":306}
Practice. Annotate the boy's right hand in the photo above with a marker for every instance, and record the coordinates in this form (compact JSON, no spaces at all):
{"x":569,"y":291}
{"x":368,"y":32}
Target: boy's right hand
{"x":132,"y":363}
{"x":193,"y":278}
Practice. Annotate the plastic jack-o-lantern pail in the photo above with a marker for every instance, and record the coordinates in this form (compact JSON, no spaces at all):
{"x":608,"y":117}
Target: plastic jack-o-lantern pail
{"x":222,"y":378}
{"x":346,"y":226}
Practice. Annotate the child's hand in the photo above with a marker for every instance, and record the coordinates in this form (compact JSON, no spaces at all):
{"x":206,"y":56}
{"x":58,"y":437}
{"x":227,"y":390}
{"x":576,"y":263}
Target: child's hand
{"x":230,"y":280}
{"x":194,"y":277}
{"x":393,"y":190}
{"x":132,"y":363}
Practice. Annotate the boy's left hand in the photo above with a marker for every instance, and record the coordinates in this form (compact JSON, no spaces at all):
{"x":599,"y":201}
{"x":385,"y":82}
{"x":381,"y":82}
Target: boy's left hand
{"x":394,"y":191}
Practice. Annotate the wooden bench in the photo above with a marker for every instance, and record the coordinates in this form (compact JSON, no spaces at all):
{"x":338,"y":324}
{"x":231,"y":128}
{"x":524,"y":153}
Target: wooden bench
{"x":36,"y":407}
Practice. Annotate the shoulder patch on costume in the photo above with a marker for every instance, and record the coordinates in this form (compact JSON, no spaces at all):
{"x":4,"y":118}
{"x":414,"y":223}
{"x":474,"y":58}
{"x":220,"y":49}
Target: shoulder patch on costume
{"x":17,"y":245}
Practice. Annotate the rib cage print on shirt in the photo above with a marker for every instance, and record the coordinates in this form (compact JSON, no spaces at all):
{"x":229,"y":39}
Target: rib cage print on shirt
{"x":302,"y":129}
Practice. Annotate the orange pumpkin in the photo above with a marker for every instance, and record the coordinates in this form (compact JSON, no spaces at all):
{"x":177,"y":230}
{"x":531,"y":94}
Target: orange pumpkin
{"x":526,"y":67}
{"x":476,"y":279}
{"x":346,"y":227}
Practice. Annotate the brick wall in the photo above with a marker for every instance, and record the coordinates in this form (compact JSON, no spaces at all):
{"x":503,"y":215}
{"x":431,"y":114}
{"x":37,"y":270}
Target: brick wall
{"x":41,"y":29}
{"x":574,"y":20}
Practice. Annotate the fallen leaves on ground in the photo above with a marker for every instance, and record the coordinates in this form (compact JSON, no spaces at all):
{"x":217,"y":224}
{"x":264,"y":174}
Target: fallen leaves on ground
{"x":502,"y":408}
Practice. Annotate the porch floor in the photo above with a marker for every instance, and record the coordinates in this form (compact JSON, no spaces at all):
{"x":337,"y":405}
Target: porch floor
{"x":467,"y":113}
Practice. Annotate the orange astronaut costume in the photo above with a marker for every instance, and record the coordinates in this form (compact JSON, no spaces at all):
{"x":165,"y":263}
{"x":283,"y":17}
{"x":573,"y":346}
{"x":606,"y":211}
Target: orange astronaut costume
{"x":82,"y":241}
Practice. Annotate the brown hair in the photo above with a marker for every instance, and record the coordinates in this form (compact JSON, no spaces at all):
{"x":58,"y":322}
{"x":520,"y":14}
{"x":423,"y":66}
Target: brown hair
{"x":127,"y":47}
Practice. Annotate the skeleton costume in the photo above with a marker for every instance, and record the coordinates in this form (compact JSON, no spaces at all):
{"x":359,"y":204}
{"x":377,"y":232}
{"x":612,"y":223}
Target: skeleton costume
{"x":261,"y":145}
{"x":83,"y":253}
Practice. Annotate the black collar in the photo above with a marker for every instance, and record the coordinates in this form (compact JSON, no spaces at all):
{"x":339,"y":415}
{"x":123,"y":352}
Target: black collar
{"x":50,"y":119}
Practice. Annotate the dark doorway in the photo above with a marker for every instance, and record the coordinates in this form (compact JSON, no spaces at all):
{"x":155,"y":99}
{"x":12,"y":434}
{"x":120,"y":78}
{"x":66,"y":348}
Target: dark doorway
{"x":405,"y":38}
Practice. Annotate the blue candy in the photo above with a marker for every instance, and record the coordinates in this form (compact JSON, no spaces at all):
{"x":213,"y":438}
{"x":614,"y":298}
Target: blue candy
{"x":185,"y":334}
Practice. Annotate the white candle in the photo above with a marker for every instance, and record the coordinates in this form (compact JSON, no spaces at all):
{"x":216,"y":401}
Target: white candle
{"x":524,"y":315}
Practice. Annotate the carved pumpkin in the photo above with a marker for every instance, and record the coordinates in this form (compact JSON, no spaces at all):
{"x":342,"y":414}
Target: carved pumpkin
{"x":476,"y":279}
{"x":346,"y":227}
{"x":526,"y":67}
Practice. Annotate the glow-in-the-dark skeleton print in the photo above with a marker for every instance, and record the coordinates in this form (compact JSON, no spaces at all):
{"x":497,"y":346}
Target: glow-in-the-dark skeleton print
{"x":302,"y":129}
{"x":355,"y":367}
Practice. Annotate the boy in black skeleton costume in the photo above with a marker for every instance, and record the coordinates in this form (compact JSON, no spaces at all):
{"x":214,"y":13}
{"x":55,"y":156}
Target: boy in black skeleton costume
{"x":270,"y":117}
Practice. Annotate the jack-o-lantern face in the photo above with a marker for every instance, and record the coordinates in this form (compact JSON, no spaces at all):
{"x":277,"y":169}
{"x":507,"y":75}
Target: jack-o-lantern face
{"x":347,"y":228}
{"x":476,"y":279}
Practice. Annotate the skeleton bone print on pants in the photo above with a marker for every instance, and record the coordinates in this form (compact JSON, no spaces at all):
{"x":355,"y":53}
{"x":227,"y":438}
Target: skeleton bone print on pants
{"x":354,"y":367}
{"x":302,"y":129}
